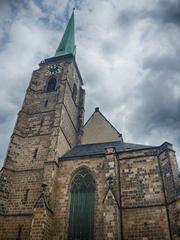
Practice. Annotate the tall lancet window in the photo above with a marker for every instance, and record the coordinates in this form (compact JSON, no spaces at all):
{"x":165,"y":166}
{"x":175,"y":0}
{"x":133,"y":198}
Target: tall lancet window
{"x":82,"y":207}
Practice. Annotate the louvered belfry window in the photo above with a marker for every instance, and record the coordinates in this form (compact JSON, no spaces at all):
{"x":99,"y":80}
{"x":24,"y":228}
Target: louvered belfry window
{"x":82,"y":207}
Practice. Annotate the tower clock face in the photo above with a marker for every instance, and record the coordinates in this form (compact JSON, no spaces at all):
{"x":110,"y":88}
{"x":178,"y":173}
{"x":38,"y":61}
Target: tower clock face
{"x":53,"y":69}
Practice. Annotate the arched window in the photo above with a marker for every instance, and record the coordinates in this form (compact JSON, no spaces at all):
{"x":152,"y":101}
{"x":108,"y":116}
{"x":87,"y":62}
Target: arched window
{"x":82,"y":206}
{"x":51,"y":85}
{"x":74,"y":93}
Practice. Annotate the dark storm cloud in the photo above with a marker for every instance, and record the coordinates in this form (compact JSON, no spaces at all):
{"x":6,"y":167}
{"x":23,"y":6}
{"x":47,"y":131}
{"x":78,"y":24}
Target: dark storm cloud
{"x":159,"y":94}
{"x":168,"y":63}
{"x":159,"y":107}
{"x":154,"y":104}
{"x":169,"y":11}
{"x":164,"y":12}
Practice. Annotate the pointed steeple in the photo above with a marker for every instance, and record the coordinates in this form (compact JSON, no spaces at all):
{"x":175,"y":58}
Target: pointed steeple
{"x":67,"y":44}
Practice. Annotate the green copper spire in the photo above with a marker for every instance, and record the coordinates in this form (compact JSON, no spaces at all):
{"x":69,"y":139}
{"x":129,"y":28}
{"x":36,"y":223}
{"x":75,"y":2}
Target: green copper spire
{"x":67,"y":44}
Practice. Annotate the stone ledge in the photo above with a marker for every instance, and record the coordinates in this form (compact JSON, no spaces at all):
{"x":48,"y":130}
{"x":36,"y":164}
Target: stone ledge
{"x":16,"y":214}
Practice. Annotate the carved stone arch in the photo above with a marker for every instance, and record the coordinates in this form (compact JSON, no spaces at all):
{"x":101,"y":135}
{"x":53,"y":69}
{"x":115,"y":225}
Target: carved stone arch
{"x":77,"y":170}
{"x":82,"y":205}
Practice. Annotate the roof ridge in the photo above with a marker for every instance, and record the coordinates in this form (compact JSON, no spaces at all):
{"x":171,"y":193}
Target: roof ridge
{"x":99,"y":143}
{"x":83,"y":150}
{"x":139,"y":144}
{"x":120,"y":134}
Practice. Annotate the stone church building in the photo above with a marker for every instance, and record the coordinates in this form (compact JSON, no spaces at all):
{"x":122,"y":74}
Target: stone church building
{"x":65,"y":180}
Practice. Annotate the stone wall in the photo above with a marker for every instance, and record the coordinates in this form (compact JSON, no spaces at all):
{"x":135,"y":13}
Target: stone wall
{"x":13,"y":226}
{"x":140,"y":211}
{"x":21,"y":200}
{"x":66,"y":172}
{"x":39,"y":125}
{"x":41,"y":227}
{"x":174,"y":215}
{"x":21,"y":153}
{"x":133,"y":207}
{"x":140,"y":180}
{"x":47,"y":126}
{"x":167,"y":173}
{"x":145,"y":224}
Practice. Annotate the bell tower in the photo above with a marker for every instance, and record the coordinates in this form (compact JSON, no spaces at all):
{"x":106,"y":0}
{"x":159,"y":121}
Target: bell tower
{"x":51,"y":117}
{"x":48,"y":125}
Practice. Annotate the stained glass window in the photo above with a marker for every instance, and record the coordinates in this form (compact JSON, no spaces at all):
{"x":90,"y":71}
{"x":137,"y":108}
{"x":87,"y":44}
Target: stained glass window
{"x":82,"y":207}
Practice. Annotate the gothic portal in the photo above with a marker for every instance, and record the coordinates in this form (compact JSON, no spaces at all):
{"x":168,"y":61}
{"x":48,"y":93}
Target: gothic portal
{"x":63,"y":179}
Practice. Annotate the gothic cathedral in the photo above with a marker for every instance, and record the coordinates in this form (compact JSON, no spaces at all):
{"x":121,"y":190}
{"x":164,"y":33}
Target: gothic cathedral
{"x":63,"y":179}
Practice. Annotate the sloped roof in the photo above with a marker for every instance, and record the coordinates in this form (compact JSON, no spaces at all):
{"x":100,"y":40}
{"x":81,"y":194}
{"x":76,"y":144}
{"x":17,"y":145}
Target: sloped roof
{"x":99,"y":129}
{"x":67,"y":44}
{"x":99,"y":149}
{"x":98,"y":111}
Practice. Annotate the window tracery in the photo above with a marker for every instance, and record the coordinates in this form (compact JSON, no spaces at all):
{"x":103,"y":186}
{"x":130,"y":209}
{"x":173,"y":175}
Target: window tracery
{"x":82,"y":207}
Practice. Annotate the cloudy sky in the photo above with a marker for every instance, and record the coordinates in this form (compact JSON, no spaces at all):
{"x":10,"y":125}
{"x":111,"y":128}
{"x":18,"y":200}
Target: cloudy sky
{"x":128,"y":53}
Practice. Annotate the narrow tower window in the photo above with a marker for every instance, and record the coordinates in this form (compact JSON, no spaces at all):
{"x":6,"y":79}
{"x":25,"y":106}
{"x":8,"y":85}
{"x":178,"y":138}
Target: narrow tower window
{"x":51,"y":85}
{"x":41,"y":123}
{"x":74,"y":93}
{"x":45,"y":103}
{"x":26,"y":196}
{"x":19,"y":233}
{"x":82,"y":206}
{"x":35,"y":153}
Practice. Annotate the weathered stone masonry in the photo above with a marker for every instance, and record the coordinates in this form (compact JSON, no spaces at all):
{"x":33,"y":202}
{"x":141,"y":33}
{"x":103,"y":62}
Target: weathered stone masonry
{"x":47,"y":130}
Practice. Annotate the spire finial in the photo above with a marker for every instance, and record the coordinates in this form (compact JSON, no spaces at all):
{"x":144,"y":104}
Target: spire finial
{"x":67,"y":44}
